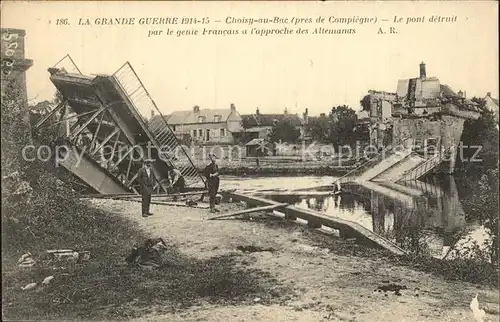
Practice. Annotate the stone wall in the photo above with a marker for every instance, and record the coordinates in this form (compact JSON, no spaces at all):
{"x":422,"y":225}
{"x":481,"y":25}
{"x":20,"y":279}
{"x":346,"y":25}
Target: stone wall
{"x":16,"y":130}
{"x":447,"y":130}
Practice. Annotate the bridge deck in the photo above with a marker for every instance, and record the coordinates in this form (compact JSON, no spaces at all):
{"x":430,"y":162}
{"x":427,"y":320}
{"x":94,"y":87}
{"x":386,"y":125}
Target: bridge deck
{"x":108,"y":128}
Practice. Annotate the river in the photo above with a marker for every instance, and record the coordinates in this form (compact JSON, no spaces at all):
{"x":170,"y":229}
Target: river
{"x":434,"y":223}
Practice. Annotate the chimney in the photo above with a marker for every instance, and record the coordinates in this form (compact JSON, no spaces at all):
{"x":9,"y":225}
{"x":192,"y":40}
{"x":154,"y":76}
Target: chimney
{"x":306,"y":116}
{"x":286,"y":111}
{"x":322,"y":115}
{"x":257,"y":112}
{"x":233,"y":108}
{"x":488,"y":94}
{"x":422,"y":71}
{"x":460,"y":93}
{"x":196,"y":109}
{"x":152,"y":113}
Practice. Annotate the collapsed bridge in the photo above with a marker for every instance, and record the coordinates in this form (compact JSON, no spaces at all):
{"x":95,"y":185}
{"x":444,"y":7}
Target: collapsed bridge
{"x":106,"y":137}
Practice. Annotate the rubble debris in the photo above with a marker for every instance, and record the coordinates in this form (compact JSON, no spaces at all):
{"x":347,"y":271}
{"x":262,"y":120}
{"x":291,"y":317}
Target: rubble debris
{"x":47,"y":280}
{"x":479,"y":314}
{"x":26,"y":260}
{"x":396,"y":288}
{"x":148,"y":255}
{"x":67,"y":255}
{"x":191,"y":203}
{"x":29,"y":286}
{"x":63,"y":255}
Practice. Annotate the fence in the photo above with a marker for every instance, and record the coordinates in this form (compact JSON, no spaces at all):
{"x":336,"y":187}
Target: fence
{"x":68,"y":65}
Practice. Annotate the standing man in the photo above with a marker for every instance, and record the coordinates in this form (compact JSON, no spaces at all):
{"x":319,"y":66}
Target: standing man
{"x":211,"y":172}
{"x":177,"y":182}
{"x":146,"y":178}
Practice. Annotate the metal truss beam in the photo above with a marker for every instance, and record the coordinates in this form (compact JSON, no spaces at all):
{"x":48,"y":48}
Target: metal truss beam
{"x":50,"y":114}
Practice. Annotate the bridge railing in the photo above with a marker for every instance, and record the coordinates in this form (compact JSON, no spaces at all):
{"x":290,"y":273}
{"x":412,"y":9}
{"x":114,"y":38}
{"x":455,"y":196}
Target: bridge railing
{"x":387,"y":151}
{"x":169,"y":148}
{"x":426,"y":166}
{"x":68,"y":65}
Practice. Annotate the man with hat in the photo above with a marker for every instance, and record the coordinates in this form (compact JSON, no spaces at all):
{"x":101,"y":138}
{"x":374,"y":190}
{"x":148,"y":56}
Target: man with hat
{"x":146,"y":179}
{"x":211,"y":172}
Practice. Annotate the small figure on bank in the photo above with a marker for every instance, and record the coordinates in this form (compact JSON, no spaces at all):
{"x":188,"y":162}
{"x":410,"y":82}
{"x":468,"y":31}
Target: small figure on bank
{"x":177,"y":182}
{"x":146,"y":179}
{"x":337,"y":189}
{"x":211,"y":172}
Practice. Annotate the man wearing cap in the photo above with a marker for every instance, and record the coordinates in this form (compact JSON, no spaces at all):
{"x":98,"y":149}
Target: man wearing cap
{"x":146,"y":179}
{"x":211,"y":172}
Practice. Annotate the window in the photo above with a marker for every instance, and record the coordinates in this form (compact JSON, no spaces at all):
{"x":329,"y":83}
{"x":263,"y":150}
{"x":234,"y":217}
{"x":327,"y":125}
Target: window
{"x":217,"y":118}
{"x":201,"y":119}
{"x":194,"y":133}
{"x":200,"y":133}
{"x":222,"y":132}
{"x":173,"y":128}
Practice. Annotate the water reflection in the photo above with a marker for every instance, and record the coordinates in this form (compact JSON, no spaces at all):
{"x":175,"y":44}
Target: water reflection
{"x":430,"y":225}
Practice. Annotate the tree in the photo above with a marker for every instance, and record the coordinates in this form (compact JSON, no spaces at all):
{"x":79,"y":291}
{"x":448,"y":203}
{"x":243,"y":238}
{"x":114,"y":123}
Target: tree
{"x":284,"y":131}
{"x":46,"y":134}
{"x":186,"y":139}
{"x":482,"y":132}
{"x":319,"y":128}
{"x":343,"y":121}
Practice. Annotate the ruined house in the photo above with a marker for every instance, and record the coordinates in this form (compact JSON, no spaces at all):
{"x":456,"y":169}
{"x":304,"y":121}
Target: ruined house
{"x":421,"y":109}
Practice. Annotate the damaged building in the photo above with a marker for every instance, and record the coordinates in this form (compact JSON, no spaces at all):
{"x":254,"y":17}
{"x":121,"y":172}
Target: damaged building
{"x":423,"y":109}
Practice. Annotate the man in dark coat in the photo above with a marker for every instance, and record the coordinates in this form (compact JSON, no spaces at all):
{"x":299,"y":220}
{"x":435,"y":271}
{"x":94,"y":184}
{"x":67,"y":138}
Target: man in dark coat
{"x":211,"y":172}
{"x":146,"y":178}
{"x":177,"y":182}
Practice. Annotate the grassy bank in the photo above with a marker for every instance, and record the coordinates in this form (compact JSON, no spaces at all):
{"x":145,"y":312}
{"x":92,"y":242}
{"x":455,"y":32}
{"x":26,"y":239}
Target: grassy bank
{"x":104,"y":287}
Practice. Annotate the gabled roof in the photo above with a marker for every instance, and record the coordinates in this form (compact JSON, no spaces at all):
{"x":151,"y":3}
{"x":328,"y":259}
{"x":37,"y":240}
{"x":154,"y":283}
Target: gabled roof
{"x":494,"y":100}
{"x":253,"y":120}
{"x":190,"y":117}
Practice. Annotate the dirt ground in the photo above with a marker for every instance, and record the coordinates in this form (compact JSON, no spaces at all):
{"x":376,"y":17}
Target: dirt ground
{"x":314,"y":282}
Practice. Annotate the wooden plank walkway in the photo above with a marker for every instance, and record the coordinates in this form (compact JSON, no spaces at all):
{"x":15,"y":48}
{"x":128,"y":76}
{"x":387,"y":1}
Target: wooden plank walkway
{"x":250,"y":210}
{"x":315,"y":219}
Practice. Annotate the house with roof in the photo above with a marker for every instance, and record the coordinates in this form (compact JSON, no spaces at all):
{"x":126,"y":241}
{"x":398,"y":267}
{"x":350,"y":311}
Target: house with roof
{"x":206,"y":125}
{"x":492,"y":105}
{"x":259,"y":126}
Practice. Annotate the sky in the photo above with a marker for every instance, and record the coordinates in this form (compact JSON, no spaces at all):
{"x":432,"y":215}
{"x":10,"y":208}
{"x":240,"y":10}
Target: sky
{"x":273,"y":72}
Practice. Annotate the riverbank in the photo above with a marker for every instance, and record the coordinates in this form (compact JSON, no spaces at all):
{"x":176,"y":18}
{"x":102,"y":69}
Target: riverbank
{"x":257,"y":269}
{"x":296,"y":169}
{"x":280,"y":166}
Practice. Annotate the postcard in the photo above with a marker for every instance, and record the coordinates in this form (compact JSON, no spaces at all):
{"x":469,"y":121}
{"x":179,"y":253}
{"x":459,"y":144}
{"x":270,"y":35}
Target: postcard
{"x":250,"y":160}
